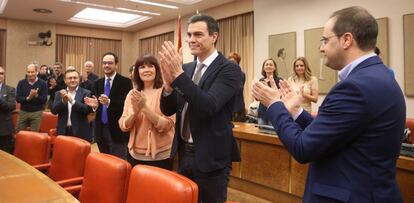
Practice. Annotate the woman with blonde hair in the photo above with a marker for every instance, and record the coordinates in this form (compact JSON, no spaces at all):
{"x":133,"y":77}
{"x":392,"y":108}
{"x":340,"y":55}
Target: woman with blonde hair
{"x":304,"y":83}
{"x":151,"y":132}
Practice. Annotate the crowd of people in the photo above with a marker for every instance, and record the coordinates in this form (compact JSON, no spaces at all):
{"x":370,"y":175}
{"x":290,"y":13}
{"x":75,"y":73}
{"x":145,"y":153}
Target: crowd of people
{"x":167,"y":108}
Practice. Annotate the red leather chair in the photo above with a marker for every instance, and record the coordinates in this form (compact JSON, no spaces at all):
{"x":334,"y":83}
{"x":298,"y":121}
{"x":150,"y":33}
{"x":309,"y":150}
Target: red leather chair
{"x":48,"y":122}
{"x":105,"y":180}
{"x":32,"y":147}
{"x":409,"y":122}
{"x":48,"y":125}
{"x":15,"y":114}
{"x":68,"y":159}
{"x":152,"y":184}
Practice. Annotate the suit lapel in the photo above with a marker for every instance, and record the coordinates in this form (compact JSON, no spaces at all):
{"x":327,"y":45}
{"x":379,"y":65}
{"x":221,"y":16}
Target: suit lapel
{"x":79,"y":95}
{"x":3,"y":90}
{"x":190,"y":68}
{"x":114,"y":86}
{"x":211,"y":68}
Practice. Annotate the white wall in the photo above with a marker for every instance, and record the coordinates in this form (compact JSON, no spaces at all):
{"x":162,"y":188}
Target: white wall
{"x":280,"y":16}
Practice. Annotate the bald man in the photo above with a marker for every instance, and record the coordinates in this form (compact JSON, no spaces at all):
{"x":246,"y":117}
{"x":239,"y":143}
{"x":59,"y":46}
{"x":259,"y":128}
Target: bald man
{"x":31,"y":93}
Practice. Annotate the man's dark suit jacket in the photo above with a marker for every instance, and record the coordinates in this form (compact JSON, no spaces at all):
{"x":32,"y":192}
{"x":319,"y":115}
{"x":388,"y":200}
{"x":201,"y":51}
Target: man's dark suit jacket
{"x":7,"y":106}
{"x":79,"y":115}
{"x":210,"y":110}
{"x":354,"y":141}
{"x":119,"y":90}
{"x":239,"y":105}
{"x":87,"y":84}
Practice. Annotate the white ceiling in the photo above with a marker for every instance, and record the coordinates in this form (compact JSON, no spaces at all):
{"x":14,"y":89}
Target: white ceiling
{"x":62,"y":11}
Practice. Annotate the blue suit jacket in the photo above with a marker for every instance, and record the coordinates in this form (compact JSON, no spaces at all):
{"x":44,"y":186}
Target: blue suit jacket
{"x":354,"y":141}
{"x":210,"y":111}
{"x":79,"y":115}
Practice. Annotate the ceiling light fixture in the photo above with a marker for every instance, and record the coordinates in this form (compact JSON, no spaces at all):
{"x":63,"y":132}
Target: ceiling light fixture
{"x":110,"y":7}
{"x":154,"y":4}
{"x":138,"y":11}
{"x":107,"y":18}
{"x":2,"y":5}
{"x":42,"y":10}
{"x":185,"y":2}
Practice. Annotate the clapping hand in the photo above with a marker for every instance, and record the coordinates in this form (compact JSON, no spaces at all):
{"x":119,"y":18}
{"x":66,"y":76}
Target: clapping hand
{"x":265,"y":94}
{"x":64,"y":95}
{"x":291,"y":99}
{"x":91,"y":101}
{"x":138,"y":101}
{"x":103,"y":99}
{"x":33,"y":93}
{"x":171,"y":63}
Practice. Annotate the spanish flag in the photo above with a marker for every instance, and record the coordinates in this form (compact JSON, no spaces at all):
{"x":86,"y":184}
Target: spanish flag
{"x":179,"y":34}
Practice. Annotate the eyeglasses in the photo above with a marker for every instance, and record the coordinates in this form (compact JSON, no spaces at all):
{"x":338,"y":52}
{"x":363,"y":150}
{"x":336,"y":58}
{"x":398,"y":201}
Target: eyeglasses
{"x":107,"y":62}
{"x":325,"y":40}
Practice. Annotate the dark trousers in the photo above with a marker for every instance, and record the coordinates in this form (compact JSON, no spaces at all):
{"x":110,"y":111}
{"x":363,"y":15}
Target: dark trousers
{"x":107,"y":145}
{"x":212,"y":185}
{"x":6,"y":143}
{"x":165,"y":163}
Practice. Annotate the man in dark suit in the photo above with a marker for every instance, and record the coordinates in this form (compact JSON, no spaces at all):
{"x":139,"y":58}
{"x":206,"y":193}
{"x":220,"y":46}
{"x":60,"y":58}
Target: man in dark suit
{"x":109,"y":96}
{"x":7,"y":106}
{"x":71,"y":109}
{"x":202,"y":99}
{"x":354,"y":141}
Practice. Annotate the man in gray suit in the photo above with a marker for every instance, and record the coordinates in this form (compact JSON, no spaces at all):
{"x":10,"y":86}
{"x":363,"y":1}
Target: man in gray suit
{"x":7,"y":106}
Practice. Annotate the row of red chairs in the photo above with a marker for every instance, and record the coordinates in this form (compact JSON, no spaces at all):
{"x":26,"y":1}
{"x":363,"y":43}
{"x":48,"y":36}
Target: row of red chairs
{"x":98,"y":177}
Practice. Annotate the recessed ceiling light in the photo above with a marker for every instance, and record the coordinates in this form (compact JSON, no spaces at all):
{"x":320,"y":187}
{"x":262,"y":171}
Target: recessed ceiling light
{"x":110,"y":7}
{"x":107,"y":18}
{"x":2,"y":5}
{"x":154,"y":4}
{"x":138,"y":11}
{"x":186,"y":2}
{"x":42,"y":10}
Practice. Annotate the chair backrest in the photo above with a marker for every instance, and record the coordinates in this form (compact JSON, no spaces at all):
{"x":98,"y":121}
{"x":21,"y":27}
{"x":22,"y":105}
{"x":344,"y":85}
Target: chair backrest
{"x":152,"y":184}
{"x":409,"y":122}
{"x":49,"y":121}
{"x":105,"y":180}
{"x":32,"y":147}
{"x":15,"y":114}
{"x":68,"y":159}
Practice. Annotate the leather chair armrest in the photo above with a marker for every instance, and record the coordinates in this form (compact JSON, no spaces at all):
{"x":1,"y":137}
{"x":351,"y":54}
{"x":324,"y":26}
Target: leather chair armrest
{"x":74,"y":190}
{"x":42,"y":167}
{"x":70,"y":182}
{"x":52,"y":134}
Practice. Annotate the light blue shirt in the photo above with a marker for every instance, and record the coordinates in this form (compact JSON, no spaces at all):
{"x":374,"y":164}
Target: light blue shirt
{"x":343,"y":74}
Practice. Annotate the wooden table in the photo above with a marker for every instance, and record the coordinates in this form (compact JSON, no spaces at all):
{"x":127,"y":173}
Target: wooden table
{"x":21,"y":183}
{"x":267,"y":170}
